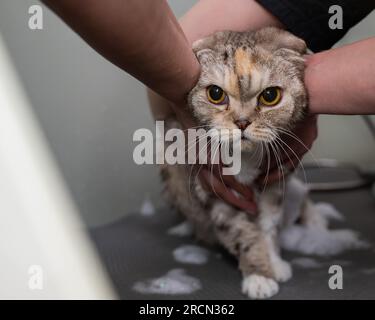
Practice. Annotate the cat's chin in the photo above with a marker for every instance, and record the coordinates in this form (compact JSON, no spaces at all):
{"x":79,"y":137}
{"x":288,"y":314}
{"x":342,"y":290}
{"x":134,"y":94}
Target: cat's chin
{"x":248,"y":145}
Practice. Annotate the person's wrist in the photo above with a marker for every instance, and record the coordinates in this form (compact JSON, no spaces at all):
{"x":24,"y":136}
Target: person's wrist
{"x":312,"y":80}
{"x":239,"y":15}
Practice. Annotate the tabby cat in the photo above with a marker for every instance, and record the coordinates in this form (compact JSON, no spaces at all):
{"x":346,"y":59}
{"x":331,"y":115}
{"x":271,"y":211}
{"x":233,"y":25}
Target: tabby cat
{"x":252,"y":81}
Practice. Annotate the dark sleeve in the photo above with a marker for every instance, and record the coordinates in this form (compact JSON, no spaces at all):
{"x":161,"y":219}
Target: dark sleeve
{"x":308,"y":19}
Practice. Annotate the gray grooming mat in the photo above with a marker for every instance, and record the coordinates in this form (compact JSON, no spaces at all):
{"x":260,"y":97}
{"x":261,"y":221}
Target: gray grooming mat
{"x":137,"y":248}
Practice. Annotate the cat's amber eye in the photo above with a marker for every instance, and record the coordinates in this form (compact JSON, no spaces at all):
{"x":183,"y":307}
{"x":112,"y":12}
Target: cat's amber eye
{"x":270,"y":96}
{"x":216,"y":95}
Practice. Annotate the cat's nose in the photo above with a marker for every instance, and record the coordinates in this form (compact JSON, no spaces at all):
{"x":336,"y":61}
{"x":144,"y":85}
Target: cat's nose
{"x":242,"y":124}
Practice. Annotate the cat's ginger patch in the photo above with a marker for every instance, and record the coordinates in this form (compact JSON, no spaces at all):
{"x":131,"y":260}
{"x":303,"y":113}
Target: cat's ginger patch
{"x":244,"y":65}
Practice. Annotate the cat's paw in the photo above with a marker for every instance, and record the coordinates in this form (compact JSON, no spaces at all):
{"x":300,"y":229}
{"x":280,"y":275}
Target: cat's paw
{"x":282,"y":270}
{"x":259,"y":287}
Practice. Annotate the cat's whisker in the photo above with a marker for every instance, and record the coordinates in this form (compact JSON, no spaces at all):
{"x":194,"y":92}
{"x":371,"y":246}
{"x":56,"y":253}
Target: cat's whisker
{"x":268,"y":153}
{"x":277,"y":151}
{"x":192,"y":167}
{"x":260,"y":155}
{"x":199,"y":138}
{"x":260,"y":158}
{"x":277,"y":138}
{"x":201,"y":165}
{"x":296,"y":156}
{"x":296,"y":138}
{"x":277,"y":141}
{"x":193,"y":144}
{"x":220,"y":174}
{"x":211,"y":171}
{"x":278,"y":163}
{"x":292,"y":135}
{"x":196,"y":127}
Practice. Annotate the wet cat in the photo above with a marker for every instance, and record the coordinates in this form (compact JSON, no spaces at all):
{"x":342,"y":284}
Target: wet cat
{"x":252,"y":81}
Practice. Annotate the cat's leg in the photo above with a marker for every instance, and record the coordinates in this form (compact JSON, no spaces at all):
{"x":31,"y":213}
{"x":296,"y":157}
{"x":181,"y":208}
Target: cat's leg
{"x":312,"y":235}
{"x":244,"y":239}
{"x":188,"y":200}
{"x":298,"y":208}
{"x":270,"y":220}
{"x":311,"y":216}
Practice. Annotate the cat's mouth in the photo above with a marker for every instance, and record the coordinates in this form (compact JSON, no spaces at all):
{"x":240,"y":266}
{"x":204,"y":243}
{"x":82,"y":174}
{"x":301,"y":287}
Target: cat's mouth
{"x":244,"y":137}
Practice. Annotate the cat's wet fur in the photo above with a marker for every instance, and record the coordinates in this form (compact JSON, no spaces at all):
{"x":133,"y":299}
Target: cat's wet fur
{"x":243,"y":64}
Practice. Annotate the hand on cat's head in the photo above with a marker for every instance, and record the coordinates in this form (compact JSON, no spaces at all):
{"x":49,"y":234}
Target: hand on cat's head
{"x":253,"y":81}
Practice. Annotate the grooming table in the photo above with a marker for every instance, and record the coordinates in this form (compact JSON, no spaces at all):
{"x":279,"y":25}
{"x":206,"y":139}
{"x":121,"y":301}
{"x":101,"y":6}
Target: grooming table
{"x":138,"y":247}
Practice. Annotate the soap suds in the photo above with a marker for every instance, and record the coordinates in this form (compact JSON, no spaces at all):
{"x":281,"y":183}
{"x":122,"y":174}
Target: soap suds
{"x":147,"y":208}
{"x":307,"y":263}
{"x":174,"y":282}
{"x":328,"y":211}
{"x":320,"y":241}
{"x":183,"y":229}
{"x":295,"y":194}
{"x":191,"y":254}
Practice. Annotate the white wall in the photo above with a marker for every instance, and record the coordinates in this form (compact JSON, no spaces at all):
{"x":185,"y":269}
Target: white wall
{"x":89,"y":110}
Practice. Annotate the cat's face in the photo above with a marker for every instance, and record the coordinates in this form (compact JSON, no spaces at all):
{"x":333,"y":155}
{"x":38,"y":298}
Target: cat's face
{"x":251,"y":81}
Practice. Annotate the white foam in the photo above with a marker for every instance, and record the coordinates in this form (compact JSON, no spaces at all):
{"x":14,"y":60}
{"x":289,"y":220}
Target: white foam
{"x":191,"y":254}
{"x":295,"y":194}
{"x":328,"y":211}
{"x":320,"y":241}
{"x":307,"y":263}
{"x":183,"y":229}
{"x":147,"y":208}
{"x":174,"y":282}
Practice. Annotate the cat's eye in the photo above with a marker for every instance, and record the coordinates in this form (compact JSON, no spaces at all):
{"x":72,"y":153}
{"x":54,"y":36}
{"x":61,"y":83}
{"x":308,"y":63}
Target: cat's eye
{"x":216,"y":95}
{"x":270,"y":96}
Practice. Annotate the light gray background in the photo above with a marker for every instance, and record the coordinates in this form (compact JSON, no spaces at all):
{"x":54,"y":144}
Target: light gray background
{"x":89,"y":110}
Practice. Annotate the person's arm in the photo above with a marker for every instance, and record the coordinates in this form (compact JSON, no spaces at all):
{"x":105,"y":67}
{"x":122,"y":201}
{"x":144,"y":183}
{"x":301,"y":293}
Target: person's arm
{"x":203,"y":19}
{"x":207,"y":17}
{"x":141,"y":37}
{"x":342,"y":80}
{"x":339,"y":80}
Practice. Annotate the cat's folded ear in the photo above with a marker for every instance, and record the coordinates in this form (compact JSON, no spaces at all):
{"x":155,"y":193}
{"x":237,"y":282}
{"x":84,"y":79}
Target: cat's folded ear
{"x":204,"y":48}
{"x":274,"y":39}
